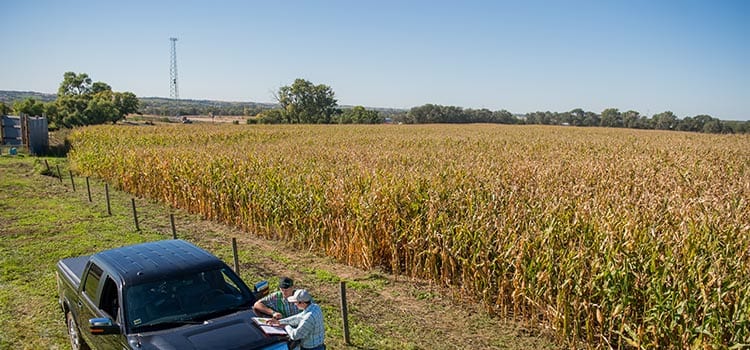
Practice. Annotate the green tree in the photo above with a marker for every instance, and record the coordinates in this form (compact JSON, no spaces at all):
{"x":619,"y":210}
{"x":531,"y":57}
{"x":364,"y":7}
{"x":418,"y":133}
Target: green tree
{"x":737,"y":127}
{"x":74,"y":84}
{"x":504,"y":117}
{"x":714,"y":126}
{"x":431,"y":113}
{"x":304,"y":102}
{"x":665,"y":121}
{"x":631,"y":119}
{"x":611,"y":117}
{"x":700,"y":123}
{"x":50,"y":110}
{"x":98,"y":87}
{"x":81,"y":102}
{"x":70,"y":110}
{"x":29,"y":106}
{"x":271,"y":116}
{"x":706,"y":123}
{"x":577,"y":117}
{"x":100,"y":109}
{"x":125,"y":103}
{"x":483,"y":115}
{"x":359,"y":115}
{"x":590,"y":119}
{"x":4,"y":109}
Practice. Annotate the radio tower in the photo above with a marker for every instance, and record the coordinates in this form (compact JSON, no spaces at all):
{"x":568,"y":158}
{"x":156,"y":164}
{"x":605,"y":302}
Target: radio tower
{"x":173,"y":91}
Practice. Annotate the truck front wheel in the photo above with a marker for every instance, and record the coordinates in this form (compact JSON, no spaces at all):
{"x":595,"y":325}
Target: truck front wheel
{"x":76,"y":342}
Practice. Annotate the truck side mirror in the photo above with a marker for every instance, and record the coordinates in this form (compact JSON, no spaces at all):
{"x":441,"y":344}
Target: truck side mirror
{"x":261,"y":289}
{"x":103,"y":325}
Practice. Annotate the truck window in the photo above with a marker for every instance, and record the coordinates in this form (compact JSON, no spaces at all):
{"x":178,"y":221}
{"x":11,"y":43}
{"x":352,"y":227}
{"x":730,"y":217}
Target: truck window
{"x":92,"y":281}
{"x":108,"y":302}
{"x":190,"y":296}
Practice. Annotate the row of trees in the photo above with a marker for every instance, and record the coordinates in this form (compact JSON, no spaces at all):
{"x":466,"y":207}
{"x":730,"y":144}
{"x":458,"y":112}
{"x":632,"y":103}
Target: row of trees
{"x":613,"y":118}
{"x":431,"y":113}
{"x":169,"y":107}
{"x":80,"y":102}
{"x":304,"y":102}
{"x":610,"y":117}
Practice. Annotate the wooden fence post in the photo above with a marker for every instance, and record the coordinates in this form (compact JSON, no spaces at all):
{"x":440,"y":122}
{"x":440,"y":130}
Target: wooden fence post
{"x":72,"y":182}
{"x":59,"y":174}
{"x":174,"y":231}
{"x":344,"y":312}
{"x":88,"y":188}
{"x":106,"y":193}
{"x":135,"y":215}
{"x":236,"y":258}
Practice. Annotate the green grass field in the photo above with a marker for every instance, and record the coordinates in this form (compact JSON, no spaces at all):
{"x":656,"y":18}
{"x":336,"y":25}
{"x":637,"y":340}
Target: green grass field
{"x":42,"y":221}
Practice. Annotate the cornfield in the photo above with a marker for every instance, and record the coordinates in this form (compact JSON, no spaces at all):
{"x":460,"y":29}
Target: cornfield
{"x":613,"y":238}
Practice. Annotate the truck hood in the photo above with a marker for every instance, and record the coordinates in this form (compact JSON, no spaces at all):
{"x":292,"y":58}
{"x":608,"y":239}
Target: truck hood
{"x":232,"y":332}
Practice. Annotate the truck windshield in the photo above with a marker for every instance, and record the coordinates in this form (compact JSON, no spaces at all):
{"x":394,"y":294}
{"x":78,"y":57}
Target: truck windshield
{"x":190,"y":298}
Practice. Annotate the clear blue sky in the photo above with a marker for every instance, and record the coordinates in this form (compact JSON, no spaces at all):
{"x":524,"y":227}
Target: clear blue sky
{"x":689,"y":57}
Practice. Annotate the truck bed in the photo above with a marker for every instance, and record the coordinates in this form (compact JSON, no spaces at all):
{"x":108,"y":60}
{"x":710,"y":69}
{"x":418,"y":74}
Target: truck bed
{"x":73,"y":268}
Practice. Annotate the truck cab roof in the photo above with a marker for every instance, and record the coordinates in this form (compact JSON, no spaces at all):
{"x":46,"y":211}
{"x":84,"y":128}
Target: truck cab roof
{"x":155,"y":260}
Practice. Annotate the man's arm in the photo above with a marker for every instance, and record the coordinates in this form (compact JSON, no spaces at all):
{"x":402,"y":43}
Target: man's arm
{"x":303,"y":328}
{"x":259,"y":308}
{"x":293,"y":320}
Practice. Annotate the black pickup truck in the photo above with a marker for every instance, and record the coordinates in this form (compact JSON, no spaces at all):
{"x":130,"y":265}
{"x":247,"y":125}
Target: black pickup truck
{"x":159,"y":295}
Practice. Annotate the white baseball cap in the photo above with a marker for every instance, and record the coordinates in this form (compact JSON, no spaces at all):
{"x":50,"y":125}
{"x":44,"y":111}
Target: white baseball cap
{"x":300,"y":295}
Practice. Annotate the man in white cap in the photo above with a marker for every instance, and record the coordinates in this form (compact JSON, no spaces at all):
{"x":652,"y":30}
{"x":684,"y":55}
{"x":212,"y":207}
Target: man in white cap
{"x":306,"y":326}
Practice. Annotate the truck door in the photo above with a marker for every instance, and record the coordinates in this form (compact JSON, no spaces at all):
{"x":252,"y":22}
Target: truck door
{"x":100,"y":299}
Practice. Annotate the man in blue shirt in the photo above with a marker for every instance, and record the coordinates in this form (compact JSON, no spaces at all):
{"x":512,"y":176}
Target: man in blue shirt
{"x":306,"y":326}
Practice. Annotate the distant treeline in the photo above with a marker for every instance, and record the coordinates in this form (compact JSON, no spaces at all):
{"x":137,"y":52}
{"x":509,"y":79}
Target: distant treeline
{"x":431,"y":113}
{"x":159,"y":106}
{"x":610,"y":117}
{"x":9,"y":97}
{"x":169,"y":107}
